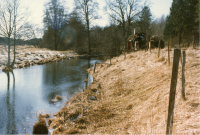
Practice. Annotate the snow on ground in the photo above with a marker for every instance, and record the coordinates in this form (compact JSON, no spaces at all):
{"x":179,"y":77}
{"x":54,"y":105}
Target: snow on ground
{"x":31,"y":55}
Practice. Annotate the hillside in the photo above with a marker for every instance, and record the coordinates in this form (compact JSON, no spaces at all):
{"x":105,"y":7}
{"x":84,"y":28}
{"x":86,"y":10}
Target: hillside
{"x":132,"y":97}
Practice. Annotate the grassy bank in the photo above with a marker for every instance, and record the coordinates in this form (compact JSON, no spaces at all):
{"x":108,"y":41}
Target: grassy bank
{"x":132,"y":97}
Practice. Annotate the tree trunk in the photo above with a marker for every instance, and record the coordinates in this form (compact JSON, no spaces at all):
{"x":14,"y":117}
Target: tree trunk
{"x":88,"y":30}
{"x":14,"y":42}
{"x":13,"y":53}
{"x":124,"y":33}
{"x":89,"y":41}
{"x":55,"y":39}
{"x":8,"y":64}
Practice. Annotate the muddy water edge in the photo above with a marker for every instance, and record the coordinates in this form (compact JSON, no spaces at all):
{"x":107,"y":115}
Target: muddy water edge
{"x":29,"y":91}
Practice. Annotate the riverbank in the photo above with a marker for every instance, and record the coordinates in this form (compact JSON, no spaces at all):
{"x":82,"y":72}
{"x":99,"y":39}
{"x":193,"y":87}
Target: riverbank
{"x":131,"y":96}
{"x":28,"y":55}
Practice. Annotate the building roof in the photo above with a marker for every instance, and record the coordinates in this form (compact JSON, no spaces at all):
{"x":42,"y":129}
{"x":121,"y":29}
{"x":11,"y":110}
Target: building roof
{"x":130,"y":38}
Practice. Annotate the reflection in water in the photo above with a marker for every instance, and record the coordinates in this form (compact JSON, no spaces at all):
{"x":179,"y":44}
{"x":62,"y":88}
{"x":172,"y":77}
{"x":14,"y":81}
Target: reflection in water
{"x":86,"y":83}
{"x":62,"y":78}
{"x":13,"y":79}
{"x":88,"y":75}
{"x":25,"y":92}
{"x":54,"y":73}
{"x":8,"y":104}
{"x":11,"y":125}
{"x":8,"y":77}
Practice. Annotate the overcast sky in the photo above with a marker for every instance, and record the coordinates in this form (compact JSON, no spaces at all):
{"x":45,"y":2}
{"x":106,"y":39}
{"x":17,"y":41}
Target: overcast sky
{"x":157,"y":7}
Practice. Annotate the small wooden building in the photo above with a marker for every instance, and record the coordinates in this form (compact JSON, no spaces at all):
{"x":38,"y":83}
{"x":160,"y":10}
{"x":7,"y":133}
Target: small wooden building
{"x":130,"y":45}
{"x":136,"y":41}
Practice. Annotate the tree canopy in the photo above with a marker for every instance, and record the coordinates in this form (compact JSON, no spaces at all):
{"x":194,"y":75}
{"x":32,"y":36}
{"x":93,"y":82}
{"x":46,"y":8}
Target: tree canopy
{"x":183,"y":18}
{"x":145,"y":19}
{"x":54,"y":22}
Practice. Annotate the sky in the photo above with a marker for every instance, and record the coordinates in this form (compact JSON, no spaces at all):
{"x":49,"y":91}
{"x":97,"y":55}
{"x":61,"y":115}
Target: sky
{"x":157,"y":7}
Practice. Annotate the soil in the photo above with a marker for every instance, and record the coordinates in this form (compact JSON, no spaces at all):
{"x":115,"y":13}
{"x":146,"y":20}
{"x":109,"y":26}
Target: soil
{"x":28,"y":55}
{"x":132,"y":96}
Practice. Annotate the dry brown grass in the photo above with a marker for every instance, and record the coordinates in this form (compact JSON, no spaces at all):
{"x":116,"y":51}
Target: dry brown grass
{"x":133,"y":97}
{"x":44,"y":115}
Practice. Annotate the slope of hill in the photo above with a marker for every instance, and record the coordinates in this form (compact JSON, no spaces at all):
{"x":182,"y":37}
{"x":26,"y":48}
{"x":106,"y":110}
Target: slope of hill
{"x":132,"y":97}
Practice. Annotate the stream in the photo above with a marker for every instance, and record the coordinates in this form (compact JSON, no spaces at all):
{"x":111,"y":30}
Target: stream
{"x":29,"y":91}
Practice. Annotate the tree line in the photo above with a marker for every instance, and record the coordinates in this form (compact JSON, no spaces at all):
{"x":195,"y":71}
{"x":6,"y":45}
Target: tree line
{"x":182,"y":21}
{"x":63,"y":30}
{"x":73,"y":30}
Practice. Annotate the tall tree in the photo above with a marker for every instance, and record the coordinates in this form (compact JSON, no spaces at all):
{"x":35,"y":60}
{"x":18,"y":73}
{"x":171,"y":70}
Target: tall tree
{"x":123,"y":13}
{"x":88,"y":11}
{"x":169,"y":28}
{"x":182,"y":18}
{"x":13,"y":18}
{"x":111,"y":41}
{"x":32,"y":34}
{"x":54,"y":20}
{"x":132,"y":11}
{"x":157,"y":26}
{"x":79,"y":43}
{"x":145,"y":19}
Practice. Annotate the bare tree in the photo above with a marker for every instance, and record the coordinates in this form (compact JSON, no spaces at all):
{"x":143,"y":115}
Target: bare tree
{"x":88,"y":11}
{"x":123,"y":12}
{"x":11,"y":23}
{"x":31,"y":33}
{"x":158,"y":26}
{"x":55,"y":19}
{"x":78,"y":29}
{"x":132,"y":12}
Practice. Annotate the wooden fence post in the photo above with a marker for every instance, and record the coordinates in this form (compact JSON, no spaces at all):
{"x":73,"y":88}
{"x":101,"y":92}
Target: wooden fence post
{"x":183,"y":76}
{"x":150,"y":45}
{"x":170,"y":43}
{"x":110,"y":59}
{"x":193,"y":41}
{"x":168,"y":55}
{"x":159,"y":49}
{"x":181,"y":57}
{"x":124,"y":51}
{"x":94,"y":66}
{"x":172,"y":91}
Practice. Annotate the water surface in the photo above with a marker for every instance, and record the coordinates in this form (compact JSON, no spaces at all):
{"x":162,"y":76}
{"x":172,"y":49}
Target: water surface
{"x":29,"y":91}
